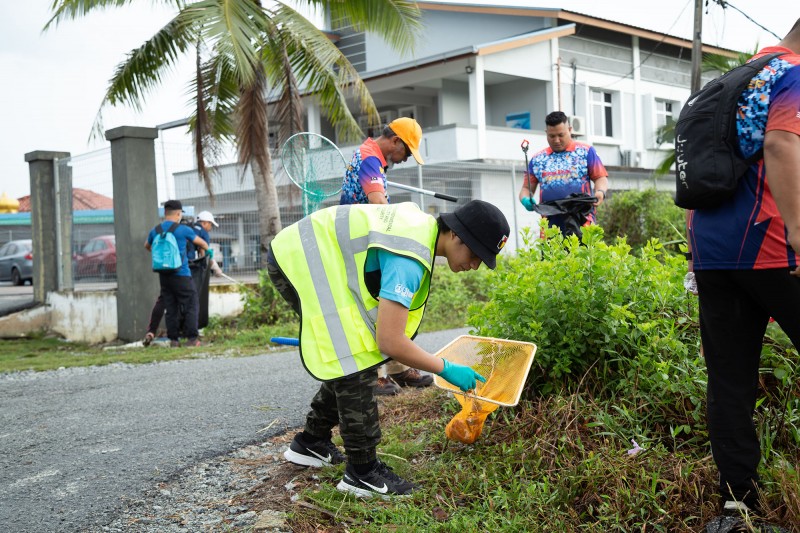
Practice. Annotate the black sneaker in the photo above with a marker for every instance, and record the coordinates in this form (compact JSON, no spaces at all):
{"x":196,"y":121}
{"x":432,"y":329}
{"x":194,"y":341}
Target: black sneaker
{"x":380,"y":481}
{"x":320,"y":453}
{"x":412,"y":377}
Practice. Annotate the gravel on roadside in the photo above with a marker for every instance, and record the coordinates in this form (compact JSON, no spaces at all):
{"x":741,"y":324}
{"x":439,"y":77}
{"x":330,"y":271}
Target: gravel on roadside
{"x":248,"y":489}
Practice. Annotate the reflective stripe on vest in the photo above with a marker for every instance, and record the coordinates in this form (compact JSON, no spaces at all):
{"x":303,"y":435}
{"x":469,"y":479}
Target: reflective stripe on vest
{"x":330,"y":284}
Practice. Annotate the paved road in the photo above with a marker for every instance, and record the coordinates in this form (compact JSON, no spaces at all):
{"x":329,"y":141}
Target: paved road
{"x":14,"y":298}
{"x":75,"y":444}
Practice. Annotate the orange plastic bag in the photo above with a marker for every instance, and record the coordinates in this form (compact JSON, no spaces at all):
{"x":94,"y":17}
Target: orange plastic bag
{"x":467,"y":425}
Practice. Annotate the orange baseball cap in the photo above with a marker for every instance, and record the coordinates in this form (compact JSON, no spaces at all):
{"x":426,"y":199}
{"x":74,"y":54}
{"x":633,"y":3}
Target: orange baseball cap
{"x":411,"y":133}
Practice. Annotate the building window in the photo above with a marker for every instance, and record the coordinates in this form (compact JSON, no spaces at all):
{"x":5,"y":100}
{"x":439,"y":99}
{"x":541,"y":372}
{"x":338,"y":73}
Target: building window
{"x":602,"y":114}
{"x":664,"y":112}
{"x":665,"y":130}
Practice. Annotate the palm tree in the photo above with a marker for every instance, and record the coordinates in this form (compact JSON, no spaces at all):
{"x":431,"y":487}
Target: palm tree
{"x":711,"y":63}
{"x":244,"y":52}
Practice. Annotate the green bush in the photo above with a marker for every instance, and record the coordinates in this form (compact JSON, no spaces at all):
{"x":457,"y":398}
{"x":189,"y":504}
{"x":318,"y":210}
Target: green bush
{"x":264,"y":306}
{"x":451,"y":295}
{"x":617,"y":323}
{"x":642,"y":215}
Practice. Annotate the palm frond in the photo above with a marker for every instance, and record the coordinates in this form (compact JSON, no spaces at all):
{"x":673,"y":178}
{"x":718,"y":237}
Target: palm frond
{"x":665,"y":166}
{"x":252,"y":123}
{"x":204,"y":142}
{"x":399,"y":22}
{"x":322,"y":70}
{"x":64,"y":10}
{"x":723,"y":63}
{"x":142,"y":70}
{"x":234,"y":27}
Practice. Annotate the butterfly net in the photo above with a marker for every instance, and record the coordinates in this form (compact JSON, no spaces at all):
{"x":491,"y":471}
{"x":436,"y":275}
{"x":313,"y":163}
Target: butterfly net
{"x":315,"y":165}
{"x":505,"y":365}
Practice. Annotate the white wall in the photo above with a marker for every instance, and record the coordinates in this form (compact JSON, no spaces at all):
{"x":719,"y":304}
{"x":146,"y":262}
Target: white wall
{"x":447,"y":31}
{"x":500,"y":191}
{"x":91,"y":316}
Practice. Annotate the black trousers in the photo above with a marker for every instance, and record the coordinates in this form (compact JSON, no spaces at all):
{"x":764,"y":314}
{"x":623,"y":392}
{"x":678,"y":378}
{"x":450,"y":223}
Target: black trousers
{"x":179,"y":296}
{"x":735,"y":308}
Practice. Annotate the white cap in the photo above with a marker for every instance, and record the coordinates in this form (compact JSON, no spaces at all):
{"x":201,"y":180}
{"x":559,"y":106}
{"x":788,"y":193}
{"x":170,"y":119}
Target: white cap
{"x":207,"y":216}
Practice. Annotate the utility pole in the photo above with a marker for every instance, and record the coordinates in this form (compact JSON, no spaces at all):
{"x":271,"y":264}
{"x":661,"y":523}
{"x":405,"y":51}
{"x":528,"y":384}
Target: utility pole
{"x":697,"y":45}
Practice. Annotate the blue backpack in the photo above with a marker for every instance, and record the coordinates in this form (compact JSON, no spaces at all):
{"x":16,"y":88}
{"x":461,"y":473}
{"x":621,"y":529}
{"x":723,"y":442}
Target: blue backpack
{"x":165,"y":252}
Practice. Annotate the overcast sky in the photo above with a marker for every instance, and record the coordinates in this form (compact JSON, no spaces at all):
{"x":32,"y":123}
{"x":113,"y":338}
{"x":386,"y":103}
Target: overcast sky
{"x":53,"y":82}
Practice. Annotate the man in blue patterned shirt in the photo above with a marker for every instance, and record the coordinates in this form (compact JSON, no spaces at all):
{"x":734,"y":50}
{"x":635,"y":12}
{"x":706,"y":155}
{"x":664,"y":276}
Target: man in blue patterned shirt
{"x":566,"y":166}
{"x":365,"y":183}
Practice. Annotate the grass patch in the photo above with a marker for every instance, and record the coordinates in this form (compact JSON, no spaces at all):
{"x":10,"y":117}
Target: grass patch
{"x":221,"y":338}
{"x":541,"y":466}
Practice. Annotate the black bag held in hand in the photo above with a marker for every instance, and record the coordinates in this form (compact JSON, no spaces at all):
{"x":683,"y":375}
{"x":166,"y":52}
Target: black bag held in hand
{"x":708,"y":163}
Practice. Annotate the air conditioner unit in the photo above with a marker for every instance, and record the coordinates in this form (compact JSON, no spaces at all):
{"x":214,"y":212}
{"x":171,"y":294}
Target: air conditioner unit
{"x":578,"y":124}
{"x":626,"y":158}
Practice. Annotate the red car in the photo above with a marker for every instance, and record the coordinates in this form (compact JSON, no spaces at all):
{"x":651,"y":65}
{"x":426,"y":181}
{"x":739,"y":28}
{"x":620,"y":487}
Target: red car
{"x":98,"y":258}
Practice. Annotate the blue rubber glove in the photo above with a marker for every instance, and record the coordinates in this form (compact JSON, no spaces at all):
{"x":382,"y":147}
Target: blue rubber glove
{"x":461,"y":376}
{"x":528,"y":202}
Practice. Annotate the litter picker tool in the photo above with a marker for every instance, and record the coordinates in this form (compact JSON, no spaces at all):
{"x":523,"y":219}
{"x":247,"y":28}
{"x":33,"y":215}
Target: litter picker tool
{"x":505,"y":365}
{"x":316,"y":165}
{"x":231,"y":279}
{"x":524,"y":145}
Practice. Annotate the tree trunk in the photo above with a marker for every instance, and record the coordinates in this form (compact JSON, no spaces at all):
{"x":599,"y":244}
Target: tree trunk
{"x":269,"y":215}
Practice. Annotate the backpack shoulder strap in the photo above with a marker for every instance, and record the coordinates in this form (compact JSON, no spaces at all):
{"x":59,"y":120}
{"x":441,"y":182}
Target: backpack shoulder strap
{"x":173,"y":227}
{"x":159,"y":230}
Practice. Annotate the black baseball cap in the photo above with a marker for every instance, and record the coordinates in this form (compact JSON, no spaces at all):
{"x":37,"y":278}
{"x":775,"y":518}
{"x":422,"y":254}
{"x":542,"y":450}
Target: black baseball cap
{"x":482,"y":227}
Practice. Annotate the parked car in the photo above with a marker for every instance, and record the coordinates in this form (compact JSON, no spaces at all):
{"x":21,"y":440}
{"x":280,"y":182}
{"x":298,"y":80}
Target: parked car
{"x":98,"y":258}
{"x":16,"y":262}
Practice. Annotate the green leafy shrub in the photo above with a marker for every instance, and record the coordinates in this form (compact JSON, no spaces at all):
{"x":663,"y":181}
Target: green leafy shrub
{"x":616,"y":323}
{"x":264,"y":305}
{"x":451,"y":295}
{"x":642,"y":215}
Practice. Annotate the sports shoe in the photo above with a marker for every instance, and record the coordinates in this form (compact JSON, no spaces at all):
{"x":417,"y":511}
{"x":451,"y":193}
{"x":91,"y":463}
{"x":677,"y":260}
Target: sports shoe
{"x":380,"y":481}
{"x":320,"y":453}
{"x":194,"y":343}
{"x":412,"y":378}
{"x":174,"y":344}
{"x":387,"y":387}
{"x":148,"y":338}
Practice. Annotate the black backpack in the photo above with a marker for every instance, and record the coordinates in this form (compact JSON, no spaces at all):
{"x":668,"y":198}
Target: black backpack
{"x":708,"y":162}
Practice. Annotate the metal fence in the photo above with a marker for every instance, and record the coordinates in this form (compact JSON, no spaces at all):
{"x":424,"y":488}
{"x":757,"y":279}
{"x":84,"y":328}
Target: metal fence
{"x":237,"y":239}
{"x":234,"y":206}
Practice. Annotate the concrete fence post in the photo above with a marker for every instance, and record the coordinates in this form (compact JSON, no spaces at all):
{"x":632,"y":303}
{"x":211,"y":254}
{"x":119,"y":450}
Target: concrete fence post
{"x":133,"y":169}
{"x":49,"y":235}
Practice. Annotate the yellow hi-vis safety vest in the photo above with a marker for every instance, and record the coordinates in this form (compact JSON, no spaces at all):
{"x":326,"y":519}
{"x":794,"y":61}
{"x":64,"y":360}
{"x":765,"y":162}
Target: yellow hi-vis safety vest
{"x":323,"y":257}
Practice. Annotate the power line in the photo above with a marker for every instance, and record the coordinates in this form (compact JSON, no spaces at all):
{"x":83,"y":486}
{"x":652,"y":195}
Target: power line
{"x":652,"y":51}
{"x":724,"y":4}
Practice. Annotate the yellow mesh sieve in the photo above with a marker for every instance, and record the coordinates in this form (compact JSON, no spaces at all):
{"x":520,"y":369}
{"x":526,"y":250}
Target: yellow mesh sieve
{"x":504,"y":363}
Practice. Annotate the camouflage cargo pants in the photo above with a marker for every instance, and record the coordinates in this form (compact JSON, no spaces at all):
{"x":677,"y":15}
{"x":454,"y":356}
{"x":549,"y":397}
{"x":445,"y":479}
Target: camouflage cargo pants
{"x":349,"y":402}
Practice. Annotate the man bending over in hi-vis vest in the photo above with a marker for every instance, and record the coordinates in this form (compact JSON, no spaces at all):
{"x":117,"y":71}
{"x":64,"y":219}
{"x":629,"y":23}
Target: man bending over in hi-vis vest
{"x":346,"y":269}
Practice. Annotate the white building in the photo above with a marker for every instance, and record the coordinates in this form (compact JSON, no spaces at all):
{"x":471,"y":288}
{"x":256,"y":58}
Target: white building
{"x":483,"y":78}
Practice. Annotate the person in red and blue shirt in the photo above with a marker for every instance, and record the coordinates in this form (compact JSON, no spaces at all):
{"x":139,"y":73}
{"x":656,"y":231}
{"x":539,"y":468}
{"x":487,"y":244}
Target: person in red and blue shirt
{"x":365,"y":177}
{"x":365,"y":183}
{"x":744,"y":256}
{"x":565,"y":167}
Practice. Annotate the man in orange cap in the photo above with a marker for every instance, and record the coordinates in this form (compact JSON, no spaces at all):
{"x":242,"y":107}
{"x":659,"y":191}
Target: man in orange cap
{"x":365,"y":183}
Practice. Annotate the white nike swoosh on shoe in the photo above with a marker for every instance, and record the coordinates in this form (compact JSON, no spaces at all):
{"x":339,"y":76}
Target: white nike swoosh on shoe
{"x":380,"y":490}
{"x":327,"y":458}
